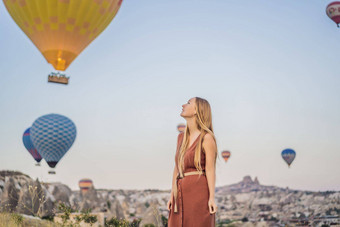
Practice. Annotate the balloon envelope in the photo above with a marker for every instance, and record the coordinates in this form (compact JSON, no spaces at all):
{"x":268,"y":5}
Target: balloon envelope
{"x":85,"y":184}
{"x":61,"y":29}
{"x":288,"y":155}
{"x":53,"y":135}
{"x":26,"y":138}
{"x":181,"y":128}
{"x":333,"y":11}
{"x":226,"y":155}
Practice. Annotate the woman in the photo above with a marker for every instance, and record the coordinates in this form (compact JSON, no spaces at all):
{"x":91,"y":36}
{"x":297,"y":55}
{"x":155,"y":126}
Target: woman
{"x":192,"y":201}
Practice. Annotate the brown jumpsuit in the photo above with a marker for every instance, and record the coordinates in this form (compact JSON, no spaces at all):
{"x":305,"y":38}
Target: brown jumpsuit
{"x":193,"y":193}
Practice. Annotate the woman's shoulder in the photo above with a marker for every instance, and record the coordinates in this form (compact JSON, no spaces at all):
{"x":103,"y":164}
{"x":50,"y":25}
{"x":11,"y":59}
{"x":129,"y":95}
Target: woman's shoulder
{"x":179,"y":141}
{"x":208,"y":139}
{"x":180,"y":136}
{"x":209,"y":144}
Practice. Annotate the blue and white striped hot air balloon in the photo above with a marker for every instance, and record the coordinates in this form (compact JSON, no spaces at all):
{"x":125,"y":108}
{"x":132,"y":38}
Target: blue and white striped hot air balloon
{"x":26,"y":139}
{"x":288,"y":155}
{"x":53,"y":135}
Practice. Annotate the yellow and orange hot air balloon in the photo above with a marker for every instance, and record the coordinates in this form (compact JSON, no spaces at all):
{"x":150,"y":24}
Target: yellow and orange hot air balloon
{"x":61,"y":29}
{"x":85,"y":185}
{"x":225,"y":155}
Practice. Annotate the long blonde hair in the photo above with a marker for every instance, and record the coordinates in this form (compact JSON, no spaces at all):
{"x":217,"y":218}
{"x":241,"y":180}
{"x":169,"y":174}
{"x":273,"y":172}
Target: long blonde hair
{"x":204,"y":124}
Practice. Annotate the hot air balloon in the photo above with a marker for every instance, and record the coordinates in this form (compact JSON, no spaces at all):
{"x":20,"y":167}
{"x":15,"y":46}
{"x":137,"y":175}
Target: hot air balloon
{"x":85,"y":185}
{"x":225,"y":155}
{"x":333,"y":12}
{"x":61,"y":29}
{"x":26,"y":138}
{"x":181,"y":127}
{"x":288,"y":155}
{"x":53,"y":135}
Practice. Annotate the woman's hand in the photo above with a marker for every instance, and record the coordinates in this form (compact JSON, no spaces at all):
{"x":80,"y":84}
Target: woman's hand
{"x":169,"y":204}
{"x":212,"y":206}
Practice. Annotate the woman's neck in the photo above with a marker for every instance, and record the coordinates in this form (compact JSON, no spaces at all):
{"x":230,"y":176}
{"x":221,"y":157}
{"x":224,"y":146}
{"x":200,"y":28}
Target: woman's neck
{"x":191,"y":123}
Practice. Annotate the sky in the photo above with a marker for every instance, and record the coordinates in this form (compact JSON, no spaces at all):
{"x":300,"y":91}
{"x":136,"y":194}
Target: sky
{"x":267,"y":68}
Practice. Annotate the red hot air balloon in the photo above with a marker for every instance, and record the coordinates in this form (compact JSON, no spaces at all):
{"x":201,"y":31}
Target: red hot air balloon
{"x":85,"y":185}
{"x":333,"y":12}
{"x":225,"y":155}
{"x":181,"y":128}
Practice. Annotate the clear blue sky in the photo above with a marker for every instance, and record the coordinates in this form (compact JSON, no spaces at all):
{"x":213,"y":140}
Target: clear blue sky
{"x":268,"y":68}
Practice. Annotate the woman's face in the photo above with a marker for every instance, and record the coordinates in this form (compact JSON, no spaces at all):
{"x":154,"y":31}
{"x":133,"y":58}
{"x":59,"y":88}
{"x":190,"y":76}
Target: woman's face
{"x":189,"y":109}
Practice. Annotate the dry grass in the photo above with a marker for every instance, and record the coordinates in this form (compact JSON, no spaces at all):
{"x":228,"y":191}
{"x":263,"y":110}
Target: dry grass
{"x":17,"y":220}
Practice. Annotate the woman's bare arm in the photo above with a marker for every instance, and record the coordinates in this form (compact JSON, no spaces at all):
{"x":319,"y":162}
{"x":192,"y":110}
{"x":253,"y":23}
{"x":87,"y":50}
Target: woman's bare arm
{"x":209,"y":146}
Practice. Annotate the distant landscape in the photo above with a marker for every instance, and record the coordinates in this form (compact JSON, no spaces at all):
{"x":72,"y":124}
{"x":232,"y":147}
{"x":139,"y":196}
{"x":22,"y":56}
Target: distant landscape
{"x":244,"y":203}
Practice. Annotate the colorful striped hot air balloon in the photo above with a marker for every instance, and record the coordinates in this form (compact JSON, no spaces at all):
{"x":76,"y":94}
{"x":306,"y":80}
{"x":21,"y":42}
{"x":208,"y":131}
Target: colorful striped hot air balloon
{"x":53,"y":135}
{"x":61,"y":29}
{"x":181,"y":127}
{"x":225,"y":155}
{"x":85,"y":185}
{"x":26,"y":138}
{"x":288,"y":155}
{"x":333,"y":12}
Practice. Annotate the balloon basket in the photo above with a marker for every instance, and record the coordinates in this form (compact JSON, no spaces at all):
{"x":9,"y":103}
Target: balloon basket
{"x":51,"y":172}
{"x":58,"y":78}
{"x":37,"y":164}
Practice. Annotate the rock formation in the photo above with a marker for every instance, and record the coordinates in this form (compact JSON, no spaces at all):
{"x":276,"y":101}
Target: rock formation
{"x":9,"y":197}
{"x":31,"y":198}
{"x":152,"y":216}
{"x":247,"y":199}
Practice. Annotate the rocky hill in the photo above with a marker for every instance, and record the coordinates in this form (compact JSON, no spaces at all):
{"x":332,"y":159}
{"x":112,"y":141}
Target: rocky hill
{"x":246,"y":200}
{"x":252,"y":201}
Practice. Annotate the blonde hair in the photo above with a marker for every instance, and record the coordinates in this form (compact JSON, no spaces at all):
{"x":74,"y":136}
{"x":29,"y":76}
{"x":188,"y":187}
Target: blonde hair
{"x":204,"y":124}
